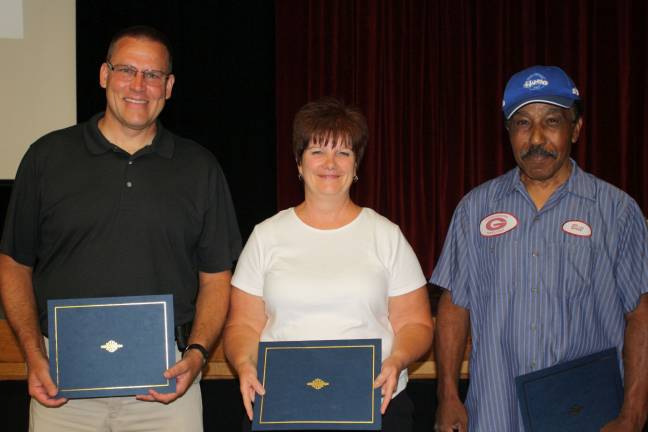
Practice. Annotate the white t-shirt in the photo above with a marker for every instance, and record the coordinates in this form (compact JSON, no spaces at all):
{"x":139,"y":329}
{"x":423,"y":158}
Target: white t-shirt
{"x":328,"y":284}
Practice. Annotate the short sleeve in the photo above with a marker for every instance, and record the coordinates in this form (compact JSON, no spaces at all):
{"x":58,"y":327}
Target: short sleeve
{"x":20,"y":235}
{"x":631,"y":269}
{"x":405,"y":274}
{"x":451,"y":271}
{"x":220,"y":240}
{"x":249,"y":273}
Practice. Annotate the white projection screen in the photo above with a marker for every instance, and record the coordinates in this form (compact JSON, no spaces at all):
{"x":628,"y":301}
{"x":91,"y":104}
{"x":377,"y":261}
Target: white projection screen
{"x":38,"y":74}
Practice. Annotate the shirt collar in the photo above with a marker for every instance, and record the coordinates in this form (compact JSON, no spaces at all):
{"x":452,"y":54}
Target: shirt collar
{"x":97,"y":144}
{"x":578,"y":184}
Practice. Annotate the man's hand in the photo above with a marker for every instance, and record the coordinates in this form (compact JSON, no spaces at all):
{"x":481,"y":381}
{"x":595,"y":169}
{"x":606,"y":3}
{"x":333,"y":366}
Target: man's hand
{"x":451,"y":416}
{"x":450,"y":342}
{"x":185,"y":372}
{"x":622,"y":424}
{"x":40,"y":384}
{"x":17,"y":295}
{"x":635,"y":363}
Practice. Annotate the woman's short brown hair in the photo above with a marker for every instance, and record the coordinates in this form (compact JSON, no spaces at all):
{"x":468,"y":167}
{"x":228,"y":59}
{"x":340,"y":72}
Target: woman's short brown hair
{"x":328,"y":120}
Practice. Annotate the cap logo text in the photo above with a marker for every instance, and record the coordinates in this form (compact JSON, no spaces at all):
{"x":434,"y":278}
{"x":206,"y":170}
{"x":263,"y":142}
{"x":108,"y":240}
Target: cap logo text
{"x":535,"y":81}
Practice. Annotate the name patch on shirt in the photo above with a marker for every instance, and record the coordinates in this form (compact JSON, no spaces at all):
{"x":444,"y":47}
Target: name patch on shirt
{"x":497,"y":224}
{"x":577,"y":228}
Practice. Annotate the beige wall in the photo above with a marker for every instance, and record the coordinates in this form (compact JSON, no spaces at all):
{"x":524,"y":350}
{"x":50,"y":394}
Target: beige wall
{"x":37,"y":79}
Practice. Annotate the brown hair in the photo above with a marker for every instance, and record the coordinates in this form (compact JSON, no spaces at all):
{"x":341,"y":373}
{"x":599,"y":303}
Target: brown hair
{"x":141,"y":32}
{"x":328,"y":120}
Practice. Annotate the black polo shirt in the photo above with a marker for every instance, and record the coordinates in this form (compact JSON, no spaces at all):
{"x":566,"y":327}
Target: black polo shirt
{"x":94,"y":221}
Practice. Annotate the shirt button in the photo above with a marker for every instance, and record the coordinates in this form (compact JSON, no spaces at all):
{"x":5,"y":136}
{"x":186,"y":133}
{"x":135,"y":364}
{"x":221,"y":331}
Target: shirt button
{"x":533,"y":327}
{"x":534,"y":290}
{"x":130,"y":162}
{"x":129,"y":184}
{"x":533,"y":365}
{"x":535,"y":253}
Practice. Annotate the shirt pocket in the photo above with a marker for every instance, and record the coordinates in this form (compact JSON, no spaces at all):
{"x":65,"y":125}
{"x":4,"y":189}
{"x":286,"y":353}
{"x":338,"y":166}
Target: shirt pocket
{"x":570,"y":267}
{"x":499,"y":267}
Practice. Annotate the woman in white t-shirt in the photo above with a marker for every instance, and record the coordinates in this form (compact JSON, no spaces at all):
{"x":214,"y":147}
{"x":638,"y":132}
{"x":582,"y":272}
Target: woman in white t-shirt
{"x":329,"y":269}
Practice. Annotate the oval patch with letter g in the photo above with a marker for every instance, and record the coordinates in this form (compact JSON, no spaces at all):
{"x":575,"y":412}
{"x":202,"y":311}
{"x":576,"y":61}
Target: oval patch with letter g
{"x":577,"y":228}
{"x":497,"y":224}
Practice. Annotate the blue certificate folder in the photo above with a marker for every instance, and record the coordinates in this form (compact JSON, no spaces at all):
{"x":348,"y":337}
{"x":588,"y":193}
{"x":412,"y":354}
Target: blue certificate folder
{"x":579,"y":395}
{"x":318,"y":385}
{"x":114,"y":346}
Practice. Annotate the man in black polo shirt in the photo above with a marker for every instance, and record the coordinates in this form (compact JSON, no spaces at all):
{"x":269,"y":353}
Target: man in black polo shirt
{"x":120,"y":206}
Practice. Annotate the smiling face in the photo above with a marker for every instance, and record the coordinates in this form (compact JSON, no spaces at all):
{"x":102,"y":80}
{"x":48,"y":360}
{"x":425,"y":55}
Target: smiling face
{"x":541,"y":137}
{"x":327,"y":168}
{"x":135,"y":104}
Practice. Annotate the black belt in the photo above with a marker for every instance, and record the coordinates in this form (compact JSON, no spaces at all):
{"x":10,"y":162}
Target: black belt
{"x":182,"y":333}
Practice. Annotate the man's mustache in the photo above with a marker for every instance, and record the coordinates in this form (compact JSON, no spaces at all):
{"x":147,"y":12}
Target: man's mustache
{"x":538,"y":150}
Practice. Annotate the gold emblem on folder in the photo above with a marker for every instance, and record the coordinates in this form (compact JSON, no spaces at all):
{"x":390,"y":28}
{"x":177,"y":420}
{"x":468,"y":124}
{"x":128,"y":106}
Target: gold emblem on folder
{"x":317,"y":384}
{"x":574,"y":410}
{"x":111,"y":346}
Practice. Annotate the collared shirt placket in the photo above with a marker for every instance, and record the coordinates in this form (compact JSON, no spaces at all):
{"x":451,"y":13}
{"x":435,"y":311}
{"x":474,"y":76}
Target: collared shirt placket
{"x":537,"y":258}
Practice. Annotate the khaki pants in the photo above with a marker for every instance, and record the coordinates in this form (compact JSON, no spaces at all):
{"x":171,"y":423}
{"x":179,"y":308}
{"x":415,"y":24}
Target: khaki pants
{"x":121,"y":414}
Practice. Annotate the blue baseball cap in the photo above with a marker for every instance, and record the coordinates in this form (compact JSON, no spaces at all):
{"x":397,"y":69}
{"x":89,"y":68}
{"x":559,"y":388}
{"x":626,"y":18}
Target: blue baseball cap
{"x":547,"y":84}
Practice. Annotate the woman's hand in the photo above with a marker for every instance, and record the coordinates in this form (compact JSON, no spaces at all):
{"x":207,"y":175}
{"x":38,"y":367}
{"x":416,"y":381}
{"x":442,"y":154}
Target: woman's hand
{"x":387,"y":381}
{"x":409,"y":315}
{"x":244,"y":324}
{"x":249,"y":386}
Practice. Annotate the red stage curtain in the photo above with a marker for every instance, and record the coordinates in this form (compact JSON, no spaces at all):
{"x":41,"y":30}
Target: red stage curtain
{"x":429,"y":76}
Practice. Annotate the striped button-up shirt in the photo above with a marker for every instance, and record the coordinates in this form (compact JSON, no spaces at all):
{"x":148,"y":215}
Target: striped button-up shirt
{"x":541,"y":286}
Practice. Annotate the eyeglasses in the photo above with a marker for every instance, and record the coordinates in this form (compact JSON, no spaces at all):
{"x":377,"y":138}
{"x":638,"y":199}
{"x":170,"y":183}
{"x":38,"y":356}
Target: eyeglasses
{"x":128,"y":73}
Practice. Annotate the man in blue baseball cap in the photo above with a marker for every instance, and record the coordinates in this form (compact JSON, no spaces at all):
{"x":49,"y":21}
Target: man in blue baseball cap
{"x":544,"y":264}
